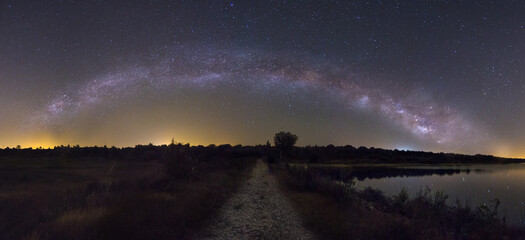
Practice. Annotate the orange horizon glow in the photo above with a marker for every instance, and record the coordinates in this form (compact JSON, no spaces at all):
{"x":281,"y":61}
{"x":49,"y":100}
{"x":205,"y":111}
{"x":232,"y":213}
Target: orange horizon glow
{"x":159,"y":142}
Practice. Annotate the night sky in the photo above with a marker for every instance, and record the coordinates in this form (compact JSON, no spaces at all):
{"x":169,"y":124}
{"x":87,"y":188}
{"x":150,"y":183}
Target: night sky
{"x":444,"y":76}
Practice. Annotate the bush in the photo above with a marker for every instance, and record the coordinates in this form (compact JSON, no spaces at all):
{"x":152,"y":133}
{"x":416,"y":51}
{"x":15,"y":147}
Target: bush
{"x":372,"y":195}
{"x":179,"y":163}
{"x":400,"y":199}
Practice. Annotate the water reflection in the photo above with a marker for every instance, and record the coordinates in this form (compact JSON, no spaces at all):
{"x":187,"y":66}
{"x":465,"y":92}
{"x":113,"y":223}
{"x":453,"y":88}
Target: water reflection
{"x":362,"y":173}
{"x":477,"y":184}
{"x":348,"y":172}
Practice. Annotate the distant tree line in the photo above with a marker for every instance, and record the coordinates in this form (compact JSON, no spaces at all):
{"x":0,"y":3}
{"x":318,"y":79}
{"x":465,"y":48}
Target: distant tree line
{"x":139,"y":152}
{"x":350,"y":154}
{"x":310,"y":154}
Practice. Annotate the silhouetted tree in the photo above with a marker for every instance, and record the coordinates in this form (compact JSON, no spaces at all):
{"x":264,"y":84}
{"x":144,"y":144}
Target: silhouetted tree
{"x":284,"y":141}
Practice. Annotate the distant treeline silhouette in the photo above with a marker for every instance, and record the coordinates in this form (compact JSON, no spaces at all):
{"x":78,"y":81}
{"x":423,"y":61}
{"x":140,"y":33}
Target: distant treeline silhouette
{"x":350,"y":154}
{"x":308,"y":154}
{"x":139,"y":152}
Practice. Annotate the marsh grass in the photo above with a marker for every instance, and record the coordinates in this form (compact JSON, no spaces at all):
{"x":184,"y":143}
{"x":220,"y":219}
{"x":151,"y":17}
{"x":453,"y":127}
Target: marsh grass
{"x":339,"y":211}
{"x":170,"y":196}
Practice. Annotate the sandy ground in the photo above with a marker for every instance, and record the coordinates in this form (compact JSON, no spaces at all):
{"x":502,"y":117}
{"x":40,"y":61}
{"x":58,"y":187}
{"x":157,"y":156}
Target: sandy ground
{"x":258,"y":211}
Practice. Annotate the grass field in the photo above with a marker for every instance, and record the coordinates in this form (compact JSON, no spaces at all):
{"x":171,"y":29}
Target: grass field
{"x":169,"y":197}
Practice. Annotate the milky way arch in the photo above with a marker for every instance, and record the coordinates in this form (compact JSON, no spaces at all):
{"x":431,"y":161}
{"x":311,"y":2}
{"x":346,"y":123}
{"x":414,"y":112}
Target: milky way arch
{"x":206,"y":69}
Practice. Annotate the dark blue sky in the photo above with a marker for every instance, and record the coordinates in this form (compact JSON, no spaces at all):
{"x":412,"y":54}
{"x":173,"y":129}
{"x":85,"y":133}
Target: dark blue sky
{"x":429,"y":75}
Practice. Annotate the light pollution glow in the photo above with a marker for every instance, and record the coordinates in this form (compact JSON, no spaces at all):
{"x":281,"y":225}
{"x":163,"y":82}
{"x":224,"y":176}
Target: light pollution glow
{"x":410,"y":74}
{"x":441,"y":126}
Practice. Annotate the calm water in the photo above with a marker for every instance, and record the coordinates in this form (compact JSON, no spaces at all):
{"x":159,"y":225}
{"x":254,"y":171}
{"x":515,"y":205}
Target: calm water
{"x":480,"y":185}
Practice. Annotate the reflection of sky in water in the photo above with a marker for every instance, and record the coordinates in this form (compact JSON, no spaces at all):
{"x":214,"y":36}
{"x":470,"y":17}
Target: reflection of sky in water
{"x":505,"y":182}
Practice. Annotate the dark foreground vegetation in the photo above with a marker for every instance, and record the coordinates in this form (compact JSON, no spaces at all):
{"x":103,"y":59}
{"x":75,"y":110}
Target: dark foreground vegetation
{"x":173,"y":191}
{"x":147,"y":192}
{"x":333,"y":209}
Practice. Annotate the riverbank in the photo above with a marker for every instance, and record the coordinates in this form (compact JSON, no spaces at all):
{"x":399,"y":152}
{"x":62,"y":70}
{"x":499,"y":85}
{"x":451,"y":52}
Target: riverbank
{"x":339,"y":211}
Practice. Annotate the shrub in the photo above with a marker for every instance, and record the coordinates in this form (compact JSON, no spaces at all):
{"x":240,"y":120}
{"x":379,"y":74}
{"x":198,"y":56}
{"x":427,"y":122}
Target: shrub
{"x":401,"y":198}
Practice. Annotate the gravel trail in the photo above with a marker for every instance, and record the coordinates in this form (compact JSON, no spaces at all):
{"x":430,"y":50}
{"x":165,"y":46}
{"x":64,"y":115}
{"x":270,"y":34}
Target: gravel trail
{"x":258,"y":211}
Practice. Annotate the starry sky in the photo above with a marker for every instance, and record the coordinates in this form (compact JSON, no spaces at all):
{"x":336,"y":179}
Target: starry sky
{"x":443,"y":76}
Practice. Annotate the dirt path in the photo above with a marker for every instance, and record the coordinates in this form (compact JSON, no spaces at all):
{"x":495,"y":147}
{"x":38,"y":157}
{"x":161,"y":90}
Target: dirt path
{"x":258,"y":211}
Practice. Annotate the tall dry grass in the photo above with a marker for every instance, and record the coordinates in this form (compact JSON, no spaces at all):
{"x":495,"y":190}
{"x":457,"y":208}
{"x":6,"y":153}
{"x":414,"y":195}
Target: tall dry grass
{"x":161,"y":193}
{"x":339,"y":211}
